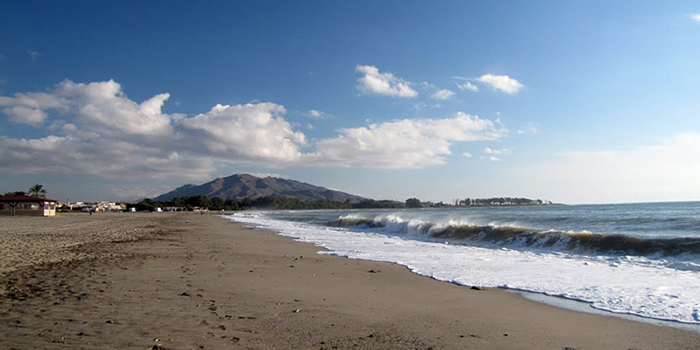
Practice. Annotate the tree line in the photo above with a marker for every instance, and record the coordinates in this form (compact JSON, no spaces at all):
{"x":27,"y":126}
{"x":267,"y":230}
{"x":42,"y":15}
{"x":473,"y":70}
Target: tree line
{"x":499,"y":201}
{"x":291,"y":203}
{"x":37,"y":190}
{"x":271,"y":202}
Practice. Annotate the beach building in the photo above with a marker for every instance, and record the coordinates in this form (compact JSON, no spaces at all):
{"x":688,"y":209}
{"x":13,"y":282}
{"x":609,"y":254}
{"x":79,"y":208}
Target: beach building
{"x":95,"y":207}
{"x":23,"y":205}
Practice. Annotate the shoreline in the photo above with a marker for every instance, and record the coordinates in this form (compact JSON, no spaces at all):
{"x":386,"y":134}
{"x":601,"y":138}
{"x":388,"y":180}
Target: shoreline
{"x":585,"y":307}
{"x":204,"y":281}
{"x":555,"y":301}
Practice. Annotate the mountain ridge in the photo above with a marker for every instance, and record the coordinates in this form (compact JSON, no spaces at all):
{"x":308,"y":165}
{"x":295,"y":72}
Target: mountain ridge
{"x":238,"y":186}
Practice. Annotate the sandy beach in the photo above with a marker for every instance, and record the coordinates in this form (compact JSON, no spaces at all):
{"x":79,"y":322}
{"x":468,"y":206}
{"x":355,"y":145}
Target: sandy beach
{"x":187,"y":281}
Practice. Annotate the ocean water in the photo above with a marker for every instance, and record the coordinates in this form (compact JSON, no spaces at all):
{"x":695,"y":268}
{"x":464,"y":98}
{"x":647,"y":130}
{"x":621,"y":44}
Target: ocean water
{"x":638,"y":259}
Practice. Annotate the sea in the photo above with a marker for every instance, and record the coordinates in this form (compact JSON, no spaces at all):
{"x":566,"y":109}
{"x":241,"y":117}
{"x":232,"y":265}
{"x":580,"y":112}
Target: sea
{"x":633,"y":259}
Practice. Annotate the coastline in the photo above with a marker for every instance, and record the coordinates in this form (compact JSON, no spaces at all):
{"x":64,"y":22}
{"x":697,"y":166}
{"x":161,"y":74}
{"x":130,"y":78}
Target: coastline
{"x":194,"y":281}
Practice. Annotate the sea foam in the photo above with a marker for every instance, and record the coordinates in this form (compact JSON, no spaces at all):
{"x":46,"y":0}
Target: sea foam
{"x":664,"y":289}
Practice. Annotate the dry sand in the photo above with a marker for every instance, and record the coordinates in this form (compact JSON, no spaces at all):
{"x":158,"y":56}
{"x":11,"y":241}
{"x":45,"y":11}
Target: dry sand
{"x":184,"y":281}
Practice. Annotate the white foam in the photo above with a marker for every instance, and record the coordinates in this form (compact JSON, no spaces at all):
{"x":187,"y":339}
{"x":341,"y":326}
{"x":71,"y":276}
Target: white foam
{"x":621,"y":284}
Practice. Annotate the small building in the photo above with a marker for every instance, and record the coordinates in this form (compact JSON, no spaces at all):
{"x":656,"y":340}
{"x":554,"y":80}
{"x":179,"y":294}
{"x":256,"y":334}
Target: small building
{"x":23,"y":205}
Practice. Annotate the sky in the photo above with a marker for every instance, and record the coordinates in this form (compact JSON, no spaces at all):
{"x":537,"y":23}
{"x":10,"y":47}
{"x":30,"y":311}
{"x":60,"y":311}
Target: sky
{"x":570,"y":101}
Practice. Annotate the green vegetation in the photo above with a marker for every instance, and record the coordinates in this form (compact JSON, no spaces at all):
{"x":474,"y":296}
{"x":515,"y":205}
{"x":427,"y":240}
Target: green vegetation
{"x":37,"y":191}
{"x":10,"y":194}
{"x":413,"y":203}
{"x":291,"y":203}
{"x":273,"y":202}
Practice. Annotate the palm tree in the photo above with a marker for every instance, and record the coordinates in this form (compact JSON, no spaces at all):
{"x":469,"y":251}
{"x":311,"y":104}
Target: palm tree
{"x":37,"y":191}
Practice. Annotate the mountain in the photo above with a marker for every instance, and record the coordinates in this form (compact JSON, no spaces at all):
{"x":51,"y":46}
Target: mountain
{"x":248,"y":186}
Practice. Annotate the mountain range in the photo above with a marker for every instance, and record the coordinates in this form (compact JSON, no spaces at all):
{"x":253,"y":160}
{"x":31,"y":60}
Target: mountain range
{"x":240,"y":186}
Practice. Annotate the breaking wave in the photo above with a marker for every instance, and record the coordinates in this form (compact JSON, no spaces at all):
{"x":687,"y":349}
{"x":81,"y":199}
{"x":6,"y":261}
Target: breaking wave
{"x":521,"y":237}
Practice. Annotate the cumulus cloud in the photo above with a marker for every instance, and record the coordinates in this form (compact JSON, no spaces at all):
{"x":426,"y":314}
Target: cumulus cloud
{"x":696,"y":17}
{"x":494,"y":159}
{"x":30,"y":108}
{"x":96,"y":129}
{"x":99,"y":106}
{"x":502,"y":83}
{"x":467,"y":155}
{"x":386,"y":84}
{"x":443,"y":94}
{"x":403,"y":143}
{"x":467,"y":86}
{"x":250,"y":132}
{"x":90,"y":154}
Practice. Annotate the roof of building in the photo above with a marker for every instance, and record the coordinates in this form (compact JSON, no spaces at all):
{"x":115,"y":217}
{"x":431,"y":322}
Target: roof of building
{"x":24,"y":198}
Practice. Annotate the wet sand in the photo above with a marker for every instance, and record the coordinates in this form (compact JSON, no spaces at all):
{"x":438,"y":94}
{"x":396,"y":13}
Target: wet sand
{"x":187,"y":281}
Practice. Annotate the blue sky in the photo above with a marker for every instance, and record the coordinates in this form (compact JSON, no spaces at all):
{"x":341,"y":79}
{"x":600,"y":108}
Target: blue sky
{"x":576,"y":102}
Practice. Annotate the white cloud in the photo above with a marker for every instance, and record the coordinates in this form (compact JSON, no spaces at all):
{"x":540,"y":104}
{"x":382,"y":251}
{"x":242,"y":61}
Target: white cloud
{"x":443,"y":94}
{"x":467,"y":155}
{"x":29,"y":108}
{"x":90,"y":154}
{"x":385,"y":84}
{"x":250,"y":132}
{"x":315,"y":114}
{"x":494,"y":159}
{"x":99,"y":106}
{"x":503,"y":151}
{"x":502,"y":83}
{"x":696,"y":17}
{"x":95,"y":129}
{"x":467,"y":86}
{"x":403,"y":143}
{"x":264,"y":175}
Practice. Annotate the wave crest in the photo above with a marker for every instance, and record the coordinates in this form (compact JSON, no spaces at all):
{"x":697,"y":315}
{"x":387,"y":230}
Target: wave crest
{"x":521,"y":237}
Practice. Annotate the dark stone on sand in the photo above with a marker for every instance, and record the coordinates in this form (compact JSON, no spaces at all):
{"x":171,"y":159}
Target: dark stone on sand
{"x":475,"y":288}
{"x":373,"y":271}
{"x":505,"y":334}
{"x":185,"y":294}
